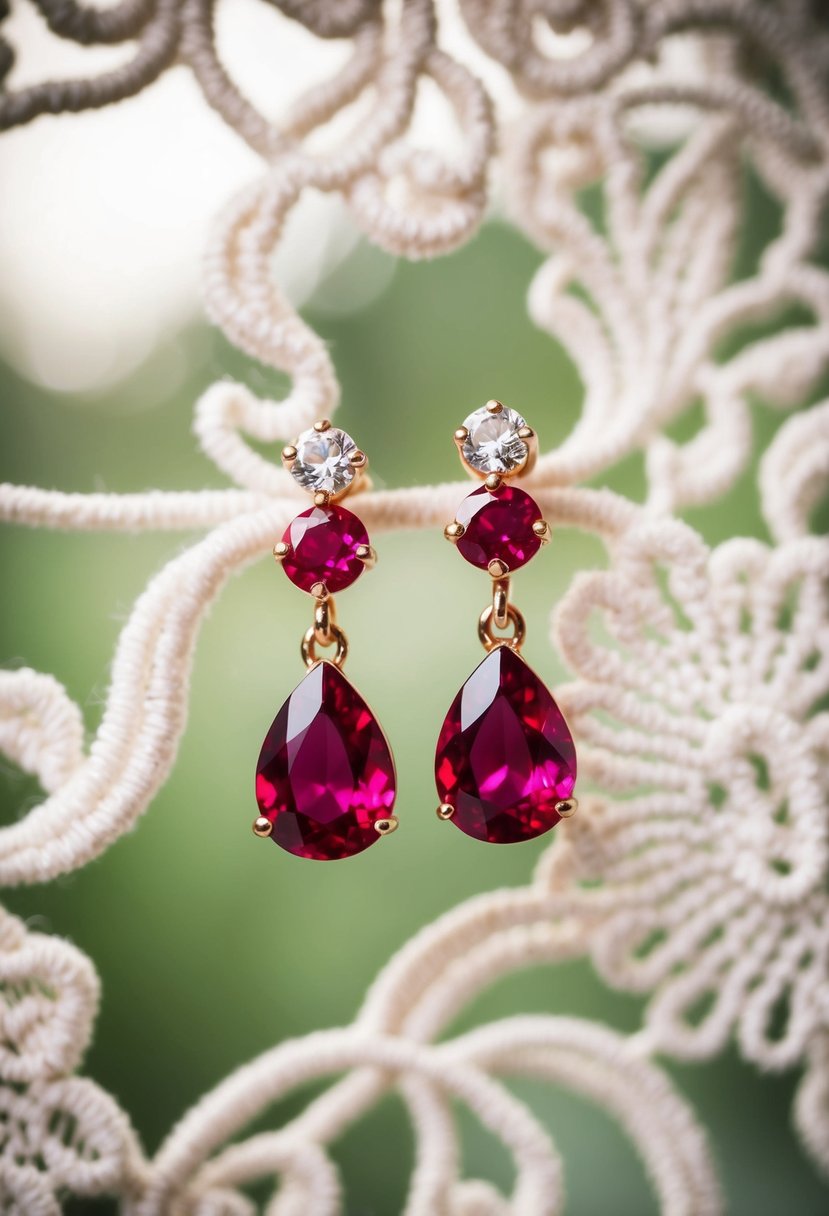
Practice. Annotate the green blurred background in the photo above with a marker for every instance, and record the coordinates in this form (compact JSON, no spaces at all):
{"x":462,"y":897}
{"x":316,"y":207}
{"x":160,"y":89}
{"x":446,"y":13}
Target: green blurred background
{"x":212,"y":946}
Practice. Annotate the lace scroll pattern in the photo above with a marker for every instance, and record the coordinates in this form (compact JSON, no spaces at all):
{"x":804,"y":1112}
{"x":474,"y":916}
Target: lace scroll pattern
{"x":696,"y":871}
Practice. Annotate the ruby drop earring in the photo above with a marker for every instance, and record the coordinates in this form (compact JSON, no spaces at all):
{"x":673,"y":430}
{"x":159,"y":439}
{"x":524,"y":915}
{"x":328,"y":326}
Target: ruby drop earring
{"x":505,"y":765}
{"x":325,"y":778}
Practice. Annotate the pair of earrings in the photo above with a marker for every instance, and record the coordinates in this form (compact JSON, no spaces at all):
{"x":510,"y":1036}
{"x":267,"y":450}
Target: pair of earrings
{"x":505,"y":765}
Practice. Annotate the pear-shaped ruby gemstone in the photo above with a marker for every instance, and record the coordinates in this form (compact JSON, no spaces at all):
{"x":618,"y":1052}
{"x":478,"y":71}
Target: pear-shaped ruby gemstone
{"x":505,"y":755}
{"x":325,"y":773}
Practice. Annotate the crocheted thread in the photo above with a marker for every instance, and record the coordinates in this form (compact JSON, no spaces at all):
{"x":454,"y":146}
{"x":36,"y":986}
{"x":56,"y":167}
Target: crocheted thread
{"x":699,"y":672}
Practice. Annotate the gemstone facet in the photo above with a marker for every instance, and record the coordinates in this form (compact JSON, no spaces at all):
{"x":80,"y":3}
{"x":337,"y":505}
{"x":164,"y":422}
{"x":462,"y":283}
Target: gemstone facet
{"x":493,"y":444}
{"x":505,"y":755}
{"x":322,"y":460}
{"x":498,"y":525}
{"x":325,"y":774}
{"x":323,"y":544}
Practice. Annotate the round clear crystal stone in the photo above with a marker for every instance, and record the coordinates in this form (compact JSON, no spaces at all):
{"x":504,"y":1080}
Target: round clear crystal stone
{"x":493,"y":444}
{"x":322,"y":460}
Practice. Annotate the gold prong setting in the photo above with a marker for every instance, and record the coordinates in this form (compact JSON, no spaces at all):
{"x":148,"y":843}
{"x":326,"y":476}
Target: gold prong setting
{"x":325,"y":548}
{"x":326,"y":462}
{"x":262,"y":827}
{"x":445,"y":811}
{"x":386,"y":825}
{"x":495,"y":440}
{"x":567,"y":807}
{"x":501,"y":524}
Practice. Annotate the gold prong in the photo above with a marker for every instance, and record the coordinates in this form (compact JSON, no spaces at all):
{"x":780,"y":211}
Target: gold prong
{"x":319,"y":591}
{"x":288,"y":455}
{"x":366,"y":554}
{"x":357,"y":459}
{"x":454,"y":531}
{"x":322,"y":425}
{"x":322,"y":498}
{"x":567,"y":807}
{"x":494,"y":407}
{"x":542,"y":530}
{"x":497,"y":568}
{"x":461,"y":435}
{"x":262,"y":827}
{"x":494,"y":482}
{"x":528,"y":436}
{"x":445,"y":810}
{"x":386,"y":826}
{"x":281,"y":550}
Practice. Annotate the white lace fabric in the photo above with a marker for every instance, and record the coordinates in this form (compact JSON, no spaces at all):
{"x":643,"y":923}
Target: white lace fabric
{"x":696,"y":870}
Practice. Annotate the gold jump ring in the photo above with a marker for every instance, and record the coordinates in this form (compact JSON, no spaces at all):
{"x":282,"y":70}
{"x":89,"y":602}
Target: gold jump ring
{"x":490,"y":639}
{"x":336,"y":637}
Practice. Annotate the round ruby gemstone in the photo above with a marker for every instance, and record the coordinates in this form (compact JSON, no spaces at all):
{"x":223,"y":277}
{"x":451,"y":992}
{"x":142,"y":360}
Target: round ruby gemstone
{"x":498,"y":524}
{"x":505,"y":755}
{"x":325,"y":774}
{"x":323,"y":548}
